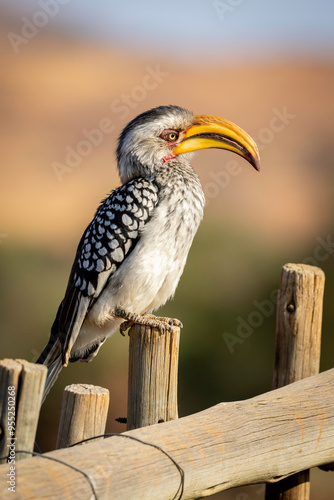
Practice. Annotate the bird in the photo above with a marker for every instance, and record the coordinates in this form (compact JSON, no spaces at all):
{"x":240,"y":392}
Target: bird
{"x":131,"y":256}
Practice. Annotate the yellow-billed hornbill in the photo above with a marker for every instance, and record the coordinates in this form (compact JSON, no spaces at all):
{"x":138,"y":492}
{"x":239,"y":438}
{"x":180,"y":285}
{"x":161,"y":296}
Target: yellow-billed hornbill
{"x":131,"y":256}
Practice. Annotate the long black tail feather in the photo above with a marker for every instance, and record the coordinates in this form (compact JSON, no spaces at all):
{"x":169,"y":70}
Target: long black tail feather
{"x":52,"y":358}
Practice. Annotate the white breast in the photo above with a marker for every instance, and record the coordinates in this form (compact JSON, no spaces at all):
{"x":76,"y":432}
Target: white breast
{"x":149,"y":275}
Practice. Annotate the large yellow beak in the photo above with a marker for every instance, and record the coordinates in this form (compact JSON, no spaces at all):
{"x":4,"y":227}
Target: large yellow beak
{"x":214,"y":132}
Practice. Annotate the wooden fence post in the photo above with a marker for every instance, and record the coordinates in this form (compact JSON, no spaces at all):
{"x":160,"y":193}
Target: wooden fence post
{"x":297,"y":351}
{"x":21,"y":389}
{"x":152,"y":385}
{"x":83,"y":413}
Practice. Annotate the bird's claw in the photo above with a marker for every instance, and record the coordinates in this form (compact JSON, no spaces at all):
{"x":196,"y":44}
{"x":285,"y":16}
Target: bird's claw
{"x":176,"y":322}
{"x":126,"y":325}
{"x":169,"y":322}
{"x":162,"y":324}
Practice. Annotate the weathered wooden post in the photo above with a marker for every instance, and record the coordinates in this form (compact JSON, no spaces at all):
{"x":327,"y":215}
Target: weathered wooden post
{"x":21,"y":389}
{"x":152,"y":384}
{"x":297,"y":352}
{"x":83,"y":413}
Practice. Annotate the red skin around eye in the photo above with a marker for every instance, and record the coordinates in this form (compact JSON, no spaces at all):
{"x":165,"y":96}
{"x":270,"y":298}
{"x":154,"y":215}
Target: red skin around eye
{"x":164,"y":136}
{"x":168,"y":157}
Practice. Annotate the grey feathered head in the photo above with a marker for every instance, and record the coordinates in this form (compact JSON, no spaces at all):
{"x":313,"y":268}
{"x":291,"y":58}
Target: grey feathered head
{"x":154,"y":138}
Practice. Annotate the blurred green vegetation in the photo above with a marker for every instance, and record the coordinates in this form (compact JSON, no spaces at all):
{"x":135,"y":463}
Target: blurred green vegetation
{"x":226,"y":272}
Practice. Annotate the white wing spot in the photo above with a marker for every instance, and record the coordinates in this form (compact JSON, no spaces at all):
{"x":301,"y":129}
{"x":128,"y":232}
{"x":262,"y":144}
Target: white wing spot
{"x":99,"y":265}
{"x":127,"y":245}
{"x":117,"y":255}
{"x":127,"y":221}
{"x":83,"y":286}
{"x":134,"y":225}
{"x":113,"y":268}
{"x":113,"y":243}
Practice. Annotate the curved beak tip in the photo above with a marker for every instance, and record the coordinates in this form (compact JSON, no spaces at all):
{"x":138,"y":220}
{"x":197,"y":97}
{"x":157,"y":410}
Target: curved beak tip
{"x":256,"y":162}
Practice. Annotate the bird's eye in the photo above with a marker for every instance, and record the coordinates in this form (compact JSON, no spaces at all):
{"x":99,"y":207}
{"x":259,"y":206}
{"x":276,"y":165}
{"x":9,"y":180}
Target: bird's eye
{"x":170,"y":135}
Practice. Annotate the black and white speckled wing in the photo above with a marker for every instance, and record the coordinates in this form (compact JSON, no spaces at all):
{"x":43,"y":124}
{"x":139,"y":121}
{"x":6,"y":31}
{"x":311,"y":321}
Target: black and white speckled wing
{"x":109,"y":238}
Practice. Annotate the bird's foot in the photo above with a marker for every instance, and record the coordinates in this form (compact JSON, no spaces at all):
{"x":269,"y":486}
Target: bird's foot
{"x":146,"y":319}
{"x":164,"y":319}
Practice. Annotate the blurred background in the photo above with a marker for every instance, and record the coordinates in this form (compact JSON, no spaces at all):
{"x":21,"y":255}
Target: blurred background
{"x":70,"y":68}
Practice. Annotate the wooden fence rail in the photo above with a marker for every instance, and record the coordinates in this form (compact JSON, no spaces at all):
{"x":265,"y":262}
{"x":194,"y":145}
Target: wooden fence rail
{"x":231,"y":444}
{"x":274,"y":438}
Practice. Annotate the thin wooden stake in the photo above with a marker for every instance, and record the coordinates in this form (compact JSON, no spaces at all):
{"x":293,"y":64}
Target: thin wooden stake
{"x":297,"y":352}
{"x":152,"y":386}
{"x":83,"y":414}
{"x":21,"y":389}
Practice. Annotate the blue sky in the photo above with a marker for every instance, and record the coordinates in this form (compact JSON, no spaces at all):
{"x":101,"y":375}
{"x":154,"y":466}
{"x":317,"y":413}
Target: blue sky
{"x":184,"y":29}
